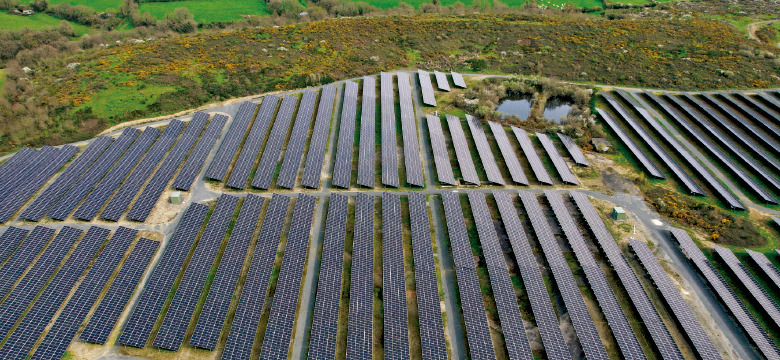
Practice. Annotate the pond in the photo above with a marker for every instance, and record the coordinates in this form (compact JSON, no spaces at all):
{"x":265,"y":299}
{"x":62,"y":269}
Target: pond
{"x":556,"y":109}
{"x":519,"y":106}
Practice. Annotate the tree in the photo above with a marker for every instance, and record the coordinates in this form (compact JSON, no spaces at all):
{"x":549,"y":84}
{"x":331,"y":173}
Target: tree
{"x":39,"y":5}
{"x":181,"y":20}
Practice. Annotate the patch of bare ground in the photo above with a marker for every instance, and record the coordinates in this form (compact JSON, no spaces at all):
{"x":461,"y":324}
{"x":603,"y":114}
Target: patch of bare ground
{"x":164,"y":212}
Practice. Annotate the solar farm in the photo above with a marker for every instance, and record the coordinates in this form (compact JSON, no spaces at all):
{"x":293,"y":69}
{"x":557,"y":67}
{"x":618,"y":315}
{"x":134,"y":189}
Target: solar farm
{"x":363,"y":220}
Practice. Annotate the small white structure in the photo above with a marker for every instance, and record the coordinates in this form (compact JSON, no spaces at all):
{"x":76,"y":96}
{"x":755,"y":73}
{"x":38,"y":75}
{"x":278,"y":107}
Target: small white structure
{"x":176,"y":198}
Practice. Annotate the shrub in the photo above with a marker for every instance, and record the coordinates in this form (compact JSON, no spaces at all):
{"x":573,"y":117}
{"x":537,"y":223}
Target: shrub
{"x":39,"y":5}
{"x":181,"y":20}
{"x":8,"y":4}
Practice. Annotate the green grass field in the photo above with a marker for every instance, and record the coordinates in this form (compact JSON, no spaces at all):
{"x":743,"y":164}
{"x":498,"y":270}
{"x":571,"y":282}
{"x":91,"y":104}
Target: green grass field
{"x":98,"y":5}
{"x":37,"y":21}
{"x":209,"y":10}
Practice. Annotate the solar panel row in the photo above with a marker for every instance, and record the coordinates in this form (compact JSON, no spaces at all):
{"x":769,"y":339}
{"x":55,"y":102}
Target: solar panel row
{"x":508,"y":153}
{"x":209,"y":327}
{"x":10,"y":239}
{"x":8,"y":167}
{"x":200,"y":152}
{"x":278,"y":332}
{"x":462,"y":152}
{"x":483,"y":148}
{"x":439,"y":145}
{"x":366,"y":155}
{"x":273,"y":146}
{"x":243,"y":329}
{"x":361,"y":291}
{"x":254,"y":140}
{"x":130,"y":187}
{"x":752,"y":114}
{"x":769,"y":99}
{"x":533,"y":158}
{"x":426,"y":87}
{"x":24,"y":255}
{"x":412,"y":163}
{"x":441,"y":81}
{"x":706,"y":176}
{"x":396,"y":329}
{"x":457,"y":79}
{"x":26,"y":166}
{"x":631,"y":145}
{"x":574,"y":150}
{"x":767,"y":268}
{"x":319,"y":138}
{"x":726,"y":294}
{"x":768,"y":114}
{"x":151,"y":301}
{"x":324,"y":326}
{"x":389,"y":149}
{"x":342,"y":169}
{"x":560,"y":165}
{"x":294,"y":148}
{"x":218,"y":168}
{"x":738,"y":119}
{"x":151,"y":193}
{"x":671,"y":295}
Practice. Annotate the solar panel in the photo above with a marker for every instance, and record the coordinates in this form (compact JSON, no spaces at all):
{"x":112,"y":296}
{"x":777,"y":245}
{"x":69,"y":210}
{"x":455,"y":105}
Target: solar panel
{"x":757,"y":117}
{"x":177,"y":319}
{"x":726,"y":294}
{"x":426,"y":87}
{"x":533,"y":158}
{"x":508,"y":153}
{"x":706,"y":176}
{"x":462,"y":152}
{"x":366,"y":155}
{"x":396,"y":338}
{"x":322,"y":342}
{"x":767,"y":268}
{"x":241,"y":338}
{"x":647,"y":312}
{"x":126,"y":193}
{"x":389,"y":147}
{"x":769,"y":115}
{"x":209,"y":327}
{"x":361,"y":291}
{"x":200,"y":152}
{"x":560,"y":165}
{"x":24,"y":255}
{"x":769,"y":99}
{"x":95,"y":200}
{"x":632,"y":146}
{"x":738,"y":119}
{"x":49,"y":197}
{"x":273,"y":146}
{"x":713,"y":150}
{"x":671,"y":295}
{"x":10,"y":239}
{"x":8,"y":167}
{"x":686,"y":180}
{"x":412,"y":163}
{"x":27,"y":167}
{"x":159,"y":182}
{"x":319,"y":138}
{"x":276,"y":342}
{"x":294,"y":149}
{"x":254,"y":140}
{"x":439,"y":146}
{"x":441,"y":81}
{"x":483,"y":148}
{"x":342,"y":169}
{"x":503,"y":292}
{"x":607,"y":301}
{"x":151,"y":301}
{"x":218,"y":168}
{"x":457,"y":79}
{"x":574,"y":150}
{"x":32,"y":325}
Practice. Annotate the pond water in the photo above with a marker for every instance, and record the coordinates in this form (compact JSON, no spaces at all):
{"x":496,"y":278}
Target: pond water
{"x":519,"y":106}
{"x":556,"y":109}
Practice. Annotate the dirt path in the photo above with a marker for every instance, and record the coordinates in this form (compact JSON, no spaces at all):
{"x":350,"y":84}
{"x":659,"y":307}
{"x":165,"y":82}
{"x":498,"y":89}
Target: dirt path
{"x":753,"y":27}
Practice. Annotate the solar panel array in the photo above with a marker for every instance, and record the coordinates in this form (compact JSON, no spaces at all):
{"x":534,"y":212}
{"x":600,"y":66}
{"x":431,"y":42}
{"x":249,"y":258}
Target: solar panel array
{"x":319,"y":138}
{"x":739,"y":120}
{"x":706,"y":176}
{"x":648,"y":313}
{"x":324,"y":326}
{"x":95,"y":200}
{"x":209,"y":327}
{"x":671,"y":295}
{"x":742,"y":120}
{"x":119,"y":293}
{"x":25,"y":162}
{"x":574,"y":150}
{"x":273,"y":146}
{"x":483,"y":148}
{"x":567,"y":284}
{"x":361,"y":290}
{"x":412,"y":163}
{"x":713,"y":150}
{"x":389,"y":149}
{"x":767,"y":268}
{"x":766,"y":96}
{"x":426,"y":87}
{"x":151,"y":301}
{"x":10,"y":239}
{"x":191,"y":168}
{"x":36,"y":319}
{"x":49,"y":197}
{"x":342,"y":168}
{"x":462,"y":152}
{"x":218,"y":168}
{"x":607,"y":301}
{"x":278,"y":333}
{"x":768,"y":114}
{"x":457,"y":79}
{"x":366,"y":154}
{"x":560,"y":165}
{"x":510,"y":158}
{"x":726,"y":294}
{"x":632,"y":146}
{"x":533,"y":158}
{"x":254,"y":140}
{"x":441,"y":81}
{"x":503,"y":292}
{"x":8,"y":167}
{"x":130,"y":187}
{"x":151,"y":193}
{"x":241,"y":338}
{"x":396,"y":327}
{"x":474,"y":317}
{"x":686,"y":180}
{"x":24,"y":255}
{"x":294,"y":148}
{"x":439,"y":145}
{"x":428,"y":303}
